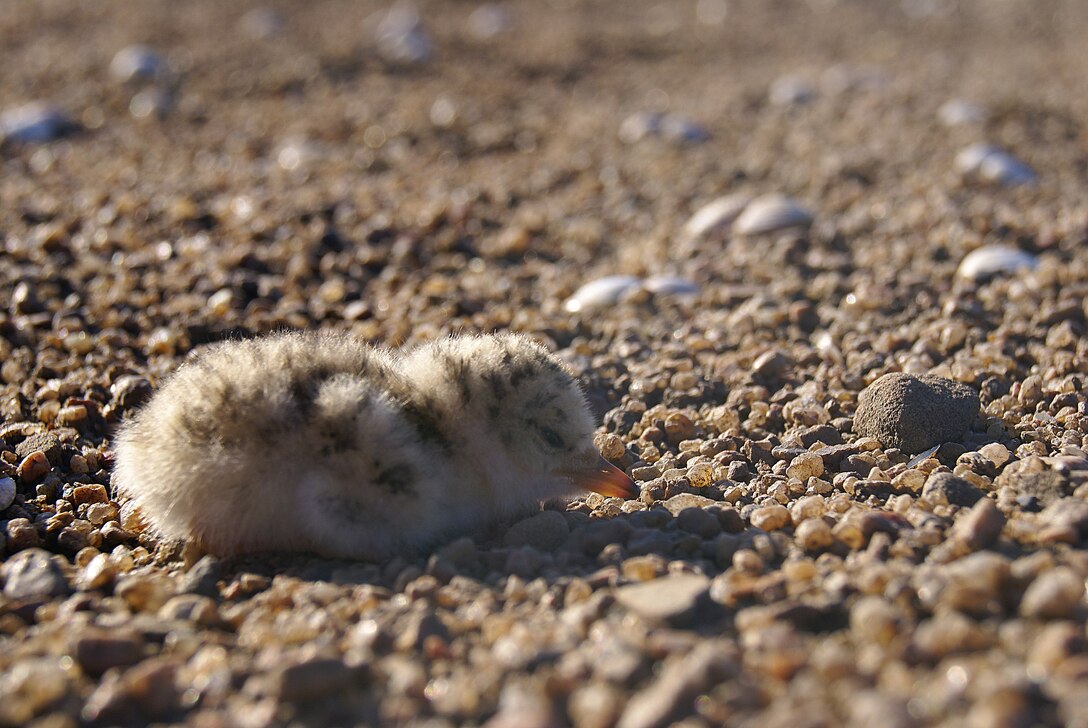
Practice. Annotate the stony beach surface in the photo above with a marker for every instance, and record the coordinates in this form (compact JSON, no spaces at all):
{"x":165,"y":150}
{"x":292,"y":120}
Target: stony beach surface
{"x":841,"y":347}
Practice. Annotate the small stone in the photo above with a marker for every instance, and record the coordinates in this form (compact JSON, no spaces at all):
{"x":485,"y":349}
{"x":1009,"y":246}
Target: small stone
{"x":814,"y":535}
{"x":679,"y":683}
{"x":190,"y":608}
{"x":668,"y":598}
{"x":84,"y":494}
{"x":771,"y":518}
{"x":770,"y":366}
{"x":915,"y":413}
{"x":144,"y":592}
{"x":988,"y":261}
{"x":73,"y":415}
{"x":679,"y":427}
{"x":700,"y":475}
{"x":610,"y":446}
{"x":46,"y":442}
{"x":144,"y":693}
{"x":544,"y":531}
{"x":202,"y":578}
{"x":771,"y":213}
{"x":678,"y":503}
{"x":874,"y":620}
{"x":601,"y":293}
{"x":1055,"y":594}
{"x":981,"y":526}
{"x":948,"y":489}
{"x":7,"y":493}
{"x":643,"y":568}
{"x":137,"y":63}
{"x":312,"y":679}
{"x":699,"y":521}
{"x":34,"y":123}
{"x":33,"y":467}
{"x":97,"y":651}
{"x":99,"y":513}
{"x":33,"y":574}
{"x":98,"y":574}
{"x":21,"y":534}
{"x":805,"y":466}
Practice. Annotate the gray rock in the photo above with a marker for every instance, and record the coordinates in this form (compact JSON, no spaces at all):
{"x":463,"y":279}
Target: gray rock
{"x":33,"y":574}
{"x":311,"y":679}
{"x":46,"y":442}
{"x":669,"y":598}
{"x":7,"y":492}
{"x":202,"y":579}
{"x":915,"y":413}
{"x":97,"y":651}
{"x":948,"y":489}
{"x":545,"y":531}
{"x":681,"y":680}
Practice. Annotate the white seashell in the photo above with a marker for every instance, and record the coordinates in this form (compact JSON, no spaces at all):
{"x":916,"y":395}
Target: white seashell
{"x":770,"y":213}
{"x":959,"y":112}
{"x":670,"y":286}
{"x":716,"y":216}
{"x":7,"y":492}
{"x":33,"y":123}
{"x":674,"y":128}
{"x":991,"y":260}
{"x":137,"y":63}
{"x":401,"y":37}
{"x":791,"y":90}
{"x":638,"y":126}
{"x":602,"y":292}
{"x":987,"y":163}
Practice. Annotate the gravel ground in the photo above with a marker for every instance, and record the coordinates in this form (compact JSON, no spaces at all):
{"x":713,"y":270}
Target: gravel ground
{"x":800,"y":555}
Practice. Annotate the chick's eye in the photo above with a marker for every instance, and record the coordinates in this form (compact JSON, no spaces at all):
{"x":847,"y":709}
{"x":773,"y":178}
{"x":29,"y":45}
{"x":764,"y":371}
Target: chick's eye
{"x":550,"y":436}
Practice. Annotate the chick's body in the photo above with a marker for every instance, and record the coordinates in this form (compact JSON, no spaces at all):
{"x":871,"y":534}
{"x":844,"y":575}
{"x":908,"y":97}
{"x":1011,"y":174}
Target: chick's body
{"x":315,"y":442}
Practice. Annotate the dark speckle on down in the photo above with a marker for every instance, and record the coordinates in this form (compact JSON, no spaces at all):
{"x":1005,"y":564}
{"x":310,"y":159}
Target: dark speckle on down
{"x":915,"y":413}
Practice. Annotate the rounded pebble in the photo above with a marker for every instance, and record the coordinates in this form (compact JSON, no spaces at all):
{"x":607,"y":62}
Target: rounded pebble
{"x":915,"y":413}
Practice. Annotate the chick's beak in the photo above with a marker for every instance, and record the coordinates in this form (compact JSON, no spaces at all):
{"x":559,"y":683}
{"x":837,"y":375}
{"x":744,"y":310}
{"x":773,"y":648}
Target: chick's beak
{"x":603,"y":477}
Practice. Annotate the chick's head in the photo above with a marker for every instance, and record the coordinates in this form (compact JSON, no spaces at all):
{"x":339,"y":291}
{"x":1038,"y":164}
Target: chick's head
{"x":510,"y":392}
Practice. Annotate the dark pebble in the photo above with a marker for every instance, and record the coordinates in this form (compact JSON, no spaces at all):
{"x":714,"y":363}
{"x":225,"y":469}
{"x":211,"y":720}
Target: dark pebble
{"x":915,"y":413}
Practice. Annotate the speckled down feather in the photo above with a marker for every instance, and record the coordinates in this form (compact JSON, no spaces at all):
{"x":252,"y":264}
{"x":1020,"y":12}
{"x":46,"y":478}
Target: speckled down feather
{"x":320,"y":443}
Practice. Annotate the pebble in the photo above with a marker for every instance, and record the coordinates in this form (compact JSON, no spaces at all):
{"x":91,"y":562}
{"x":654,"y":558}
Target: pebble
{"x":7,"y":493}
{"x":772,"y":213}
{"x":137,"y":63}
{"x":34,"y":123}
{"x":20,"y":534}
{"x":85,"y":494}
{"x":312,"y":679}
{"x":202,"y":578}
{"x":771,"y":518}
{"x":716,"y":217}
{"x":33,"y":467}
{"x":981,"y":526}
{"x":544,"y":531}
{"x":915,"y":413}
{"x":401,"y":37}
{"x":670,"y":127}
{"x":988,"y":261}
{"x":987,"y":163}
{"x":601,"y":293}
{"x":670,"y":598}
{"x":960,"y":112}
{"x":791,"y":90}
{"x":1055,"y":594}
{"x":33,"y":574}
{"x":947,"y":489}
{"x":97,"y":651}
{"x":814,"y":535}
{"x":680,"y":681}
{"x":806,"y":465}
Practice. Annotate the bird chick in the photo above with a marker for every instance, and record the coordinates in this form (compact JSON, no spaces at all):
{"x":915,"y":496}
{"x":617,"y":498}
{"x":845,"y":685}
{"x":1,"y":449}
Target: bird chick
{"x":320,"y":443}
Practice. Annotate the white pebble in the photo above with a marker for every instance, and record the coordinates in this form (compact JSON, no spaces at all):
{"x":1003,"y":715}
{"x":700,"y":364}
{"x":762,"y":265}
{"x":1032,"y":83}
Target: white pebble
{"x":602,"y":292}
{"x":137,"y":63}
{"x":716,"y":216}
{"x":33,"y":123}
{"x":791,"y":90}
{"x":401,"y":37}
{"x":670,"y":286}
{"x":987,"y":163}
{"x":770,"y":213}
{"x":991,"y":260}
{"x":488,"y":21}
{"x":7,"y":492}
{"x":671,"y":127}
{"x":959,"y":112}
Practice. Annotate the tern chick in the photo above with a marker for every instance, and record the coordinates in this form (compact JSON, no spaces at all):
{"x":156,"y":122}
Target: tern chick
{"x":320,"y":443}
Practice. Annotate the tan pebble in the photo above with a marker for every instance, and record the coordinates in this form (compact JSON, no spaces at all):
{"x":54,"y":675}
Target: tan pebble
{"x":1056,"y":594}
{"x":771,"y":518}
{"x":78,"y":464}
{"x":799,"y":569}
{"x":806,"y":465}
{"x":810,"y":506}
{"x":144,"y":592}
{"x":98,"y":573}
{"x":981,"y":526}
{"x":72,"y":415}
{"x":33,"y":467}
{"x":95,"y":493}
{"x":678,"y":426}
{"x":814,"y":535}
{"x":874,"y":620}
{"x":85,"y":555}
{"x":610,"y":445}
{"x":1056,"y":643}
{"x":912,"y":479}
{"x":21,"y":534}
{"x":99,"y":513}
{"x":701,"y":475}
{"x":748,"y":561}
{"x":190,"y":608}
{"x":643,"y":568}
{"x":996,"y":453}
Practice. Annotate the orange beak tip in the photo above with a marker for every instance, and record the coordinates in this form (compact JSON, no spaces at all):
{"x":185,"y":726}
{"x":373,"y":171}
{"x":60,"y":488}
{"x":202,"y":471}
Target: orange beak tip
{"x":605,"y":478}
